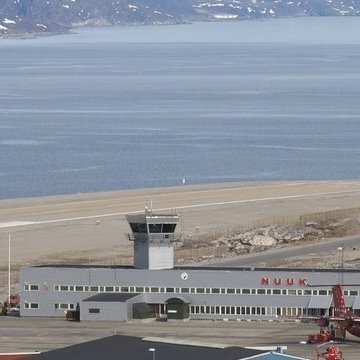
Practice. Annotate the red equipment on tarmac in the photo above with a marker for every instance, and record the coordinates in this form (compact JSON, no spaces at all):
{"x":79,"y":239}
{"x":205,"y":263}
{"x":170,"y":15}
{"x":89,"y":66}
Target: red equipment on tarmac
{"x":332,"y":353}
{"x":343,"y":317}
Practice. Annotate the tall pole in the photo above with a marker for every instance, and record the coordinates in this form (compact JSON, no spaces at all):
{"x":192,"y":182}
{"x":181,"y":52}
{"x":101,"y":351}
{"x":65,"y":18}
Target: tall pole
{"x":9,"y":269}
{"x":341,"y":265}
{"x":152,"y":350}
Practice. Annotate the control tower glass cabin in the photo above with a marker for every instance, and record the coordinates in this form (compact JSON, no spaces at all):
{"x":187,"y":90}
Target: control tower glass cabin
{"x":153,"y":236}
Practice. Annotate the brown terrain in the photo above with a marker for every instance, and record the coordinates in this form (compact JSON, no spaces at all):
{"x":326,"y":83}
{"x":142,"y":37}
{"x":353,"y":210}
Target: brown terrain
{"x":91,"y":228}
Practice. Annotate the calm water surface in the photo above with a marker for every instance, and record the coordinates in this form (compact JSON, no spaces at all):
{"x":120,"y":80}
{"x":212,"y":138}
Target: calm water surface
{"x":134,"y":107}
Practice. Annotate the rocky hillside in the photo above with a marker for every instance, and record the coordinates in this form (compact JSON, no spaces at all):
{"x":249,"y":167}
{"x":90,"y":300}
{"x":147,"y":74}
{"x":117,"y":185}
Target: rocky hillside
{"x":33,"y":17}
{"x":190,"y":249}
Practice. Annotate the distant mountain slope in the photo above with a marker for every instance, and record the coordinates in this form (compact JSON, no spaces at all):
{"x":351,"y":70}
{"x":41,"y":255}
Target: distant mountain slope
{"x":31,"y":17}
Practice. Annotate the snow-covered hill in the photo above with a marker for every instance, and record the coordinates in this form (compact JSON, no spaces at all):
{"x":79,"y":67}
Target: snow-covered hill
{"x":31,"y":17}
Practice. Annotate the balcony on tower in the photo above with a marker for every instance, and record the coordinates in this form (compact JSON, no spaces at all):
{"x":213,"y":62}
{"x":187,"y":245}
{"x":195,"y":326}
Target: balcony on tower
{"x":153,"y":236}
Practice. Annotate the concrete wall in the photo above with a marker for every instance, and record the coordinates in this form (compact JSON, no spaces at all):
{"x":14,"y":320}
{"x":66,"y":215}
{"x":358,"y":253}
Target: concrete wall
{"x":182,"y":278}
{"x":108,"y":311}
{"x":161,"y":257}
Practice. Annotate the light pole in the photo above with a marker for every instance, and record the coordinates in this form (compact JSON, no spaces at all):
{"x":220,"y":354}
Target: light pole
{"x":152,"y":350}
{"x":9,"y":276}
{"x":341,"y":264}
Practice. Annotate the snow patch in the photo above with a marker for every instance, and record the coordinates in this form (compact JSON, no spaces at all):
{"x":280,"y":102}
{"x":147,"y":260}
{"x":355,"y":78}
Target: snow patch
{"x":225,"y":16}
{"x":8,"y":21}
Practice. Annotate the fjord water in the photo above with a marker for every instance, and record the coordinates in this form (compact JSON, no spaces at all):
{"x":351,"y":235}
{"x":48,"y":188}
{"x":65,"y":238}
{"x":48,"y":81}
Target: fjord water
{"x":135,"y":107}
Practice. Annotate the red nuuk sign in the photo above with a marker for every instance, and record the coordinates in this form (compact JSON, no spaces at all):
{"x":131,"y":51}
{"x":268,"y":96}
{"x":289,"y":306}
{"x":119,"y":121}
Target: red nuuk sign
{"x":280,"y":281}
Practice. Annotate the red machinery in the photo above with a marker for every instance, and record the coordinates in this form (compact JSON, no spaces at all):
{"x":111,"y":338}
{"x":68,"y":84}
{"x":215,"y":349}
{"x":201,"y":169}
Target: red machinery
{"x":322,"y":337}
{"x":14,"y":300}
{"x":332,"y":353}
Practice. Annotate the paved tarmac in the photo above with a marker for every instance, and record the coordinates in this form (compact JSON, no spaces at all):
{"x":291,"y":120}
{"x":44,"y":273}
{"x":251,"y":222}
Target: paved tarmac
{"x":29,"y":334}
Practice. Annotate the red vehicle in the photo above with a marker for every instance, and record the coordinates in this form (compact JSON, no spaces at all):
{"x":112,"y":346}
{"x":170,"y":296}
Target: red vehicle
{"x":14,"y":300}
{"x":343,"y":318}
{"x":322,"y":337}
{"x":332,"y":353}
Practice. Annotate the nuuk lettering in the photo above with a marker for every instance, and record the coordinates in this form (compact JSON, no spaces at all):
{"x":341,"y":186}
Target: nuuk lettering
{"x":279,"y":281}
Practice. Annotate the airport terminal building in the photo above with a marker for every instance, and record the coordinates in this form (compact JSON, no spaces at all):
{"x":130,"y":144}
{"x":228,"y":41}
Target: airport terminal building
{"x":154,"y":287}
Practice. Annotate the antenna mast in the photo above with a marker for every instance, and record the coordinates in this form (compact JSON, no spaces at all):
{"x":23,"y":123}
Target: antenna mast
{"x":9,"y":269}
{"x":341,"y":265}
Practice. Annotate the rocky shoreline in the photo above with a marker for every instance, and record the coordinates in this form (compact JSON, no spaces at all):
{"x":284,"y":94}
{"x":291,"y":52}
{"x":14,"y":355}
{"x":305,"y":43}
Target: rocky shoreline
{"x":25,"y":18}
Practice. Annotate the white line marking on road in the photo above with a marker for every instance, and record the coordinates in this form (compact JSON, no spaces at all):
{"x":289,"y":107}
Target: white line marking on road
{"x":15,"y":223}
{"x":289,"y":197}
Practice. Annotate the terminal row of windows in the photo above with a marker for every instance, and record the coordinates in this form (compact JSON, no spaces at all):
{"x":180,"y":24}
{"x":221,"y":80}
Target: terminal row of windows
{"x":214,"y":310}
{"x":185,"y":290}
{"x":275,"y":312}
{"x":177,"y":290}
{"x":57,"y":306}
{"x":246,"y":310}
{"x":64,"y":306}
{"x":32,"y":287}
{"x":32,"y":305}
{"x":208,"y":310}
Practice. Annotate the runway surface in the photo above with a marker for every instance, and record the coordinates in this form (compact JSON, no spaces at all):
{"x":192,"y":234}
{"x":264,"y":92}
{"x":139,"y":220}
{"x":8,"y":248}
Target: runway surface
{"x":91,"y":227}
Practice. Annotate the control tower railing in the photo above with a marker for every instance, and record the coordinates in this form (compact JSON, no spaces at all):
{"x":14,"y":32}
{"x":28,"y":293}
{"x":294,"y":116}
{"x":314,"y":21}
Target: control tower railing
{"x":153,"y":238}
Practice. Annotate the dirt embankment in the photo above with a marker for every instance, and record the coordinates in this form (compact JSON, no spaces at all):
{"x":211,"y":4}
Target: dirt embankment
{"x":308,"y":228}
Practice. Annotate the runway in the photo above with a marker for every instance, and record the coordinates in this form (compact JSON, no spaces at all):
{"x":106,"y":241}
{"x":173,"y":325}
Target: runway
{"x":90,"y":228}
{"x":183,"y":207}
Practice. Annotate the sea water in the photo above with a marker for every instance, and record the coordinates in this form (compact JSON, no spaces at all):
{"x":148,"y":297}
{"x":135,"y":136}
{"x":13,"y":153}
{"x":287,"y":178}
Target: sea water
{"x":136,"y":107}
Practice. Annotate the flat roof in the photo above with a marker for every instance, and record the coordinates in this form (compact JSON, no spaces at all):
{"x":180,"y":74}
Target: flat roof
{"x":189,"y":267}
{"x":135,"y":348}
{"x":110,"y":297}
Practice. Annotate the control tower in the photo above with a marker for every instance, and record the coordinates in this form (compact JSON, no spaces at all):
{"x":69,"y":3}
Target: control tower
{"x":153,"y":236}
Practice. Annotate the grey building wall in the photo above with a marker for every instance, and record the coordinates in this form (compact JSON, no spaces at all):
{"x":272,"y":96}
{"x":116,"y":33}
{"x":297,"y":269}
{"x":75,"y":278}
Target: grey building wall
{"x":161,"y":257}
{"x":48,"y":279}
{"x":141,"y":255}
{"x":107,"y":311}
{"x":149,"y":255}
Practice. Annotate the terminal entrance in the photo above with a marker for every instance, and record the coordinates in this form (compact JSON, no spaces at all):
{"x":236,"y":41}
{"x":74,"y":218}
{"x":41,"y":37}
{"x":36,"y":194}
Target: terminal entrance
{"x":173,"y":309}
{"x":160,"y":312}
{"x":177,"y":308}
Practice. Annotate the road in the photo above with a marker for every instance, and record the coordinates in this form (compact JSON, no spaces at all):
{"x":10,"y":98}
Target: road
{"x":29,"y":334}
{"x":298,"y":250}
